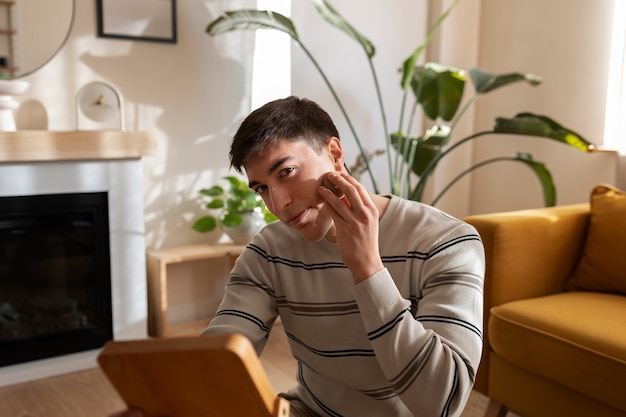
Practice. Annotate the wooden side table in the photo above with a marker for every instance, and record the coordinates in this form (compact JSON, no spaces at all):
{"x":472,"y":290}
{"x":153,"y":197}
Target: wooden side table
{"x":157,"y":262}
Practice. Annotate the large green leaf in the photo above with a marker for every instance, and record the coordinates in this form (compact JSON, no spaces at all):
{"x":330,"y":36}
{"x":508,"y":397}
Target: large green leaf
{"x":409,"y":65}
{"x":426,"y":148}
{"x":252,"y":20}
{"x":334,"y":18}
{"x":544,"y":176}
{"x":537,"y":125}
{"x":485,"y":82}
{"x":439,"y":90}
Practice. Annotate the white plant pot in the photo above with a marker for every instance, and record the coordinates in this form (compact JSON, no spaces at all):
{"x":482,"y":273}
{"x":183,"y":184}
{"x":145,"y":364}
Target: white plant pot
{"x":251,"y":224}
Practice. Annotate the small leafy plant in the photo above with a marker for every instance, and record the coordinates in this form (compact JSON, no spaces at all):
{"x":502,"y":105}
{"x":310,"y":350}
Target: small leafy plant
{"x":232,"y":204}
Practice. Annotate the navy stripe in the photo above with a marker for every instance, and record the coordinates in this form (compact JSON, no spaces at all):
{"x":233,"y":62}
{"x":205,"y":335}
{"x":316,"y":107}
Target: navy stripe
{"x":385,"y":259}
{"x":244,"y":315}
{"x":453,"y":392}
{"x":296,"y":264}
{"x":244,"y":281}
{"x":318,"y":309}
{"x":452,"y":320}
{"x":453,"y":242}
{"x":333,"y":353}
{"x":387,"y":327}
{"x":317,"y":401}
{"x":427,"y":255}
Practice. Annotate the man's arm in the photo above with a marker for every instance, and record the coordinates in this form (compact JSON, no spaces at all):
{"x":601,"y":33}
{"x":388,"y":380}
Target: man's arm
{"x":430,"y":356}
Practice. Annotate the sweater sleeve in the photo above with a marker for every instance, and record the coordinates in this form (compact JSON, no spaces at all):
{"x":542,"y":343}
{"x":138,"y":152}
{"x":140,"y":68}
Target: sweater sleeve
{"x":430,"y":349}
{"x":248,"y":306}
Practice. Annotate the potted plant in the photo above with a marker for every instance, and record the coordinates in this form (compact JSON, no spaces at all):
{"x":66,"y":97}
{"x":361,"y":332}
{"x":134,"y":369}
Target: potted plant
{"x":238,"y":210}
{"x":437,"y":90}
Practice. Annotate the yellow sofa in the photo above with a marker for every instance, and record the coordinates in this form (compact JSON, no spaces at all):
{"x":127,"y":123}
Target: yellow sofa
{"x":555,"y":330}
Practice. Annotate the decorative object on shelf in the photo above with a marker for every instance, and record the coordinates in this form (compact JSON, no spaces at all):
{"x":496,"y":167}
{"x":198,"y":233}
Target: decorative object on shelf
{"x":139,"y":20}
{"x":242,"y":212}
{"x":100,"y":103}
{"x":8,"y":89}
{"x":31,"y":33}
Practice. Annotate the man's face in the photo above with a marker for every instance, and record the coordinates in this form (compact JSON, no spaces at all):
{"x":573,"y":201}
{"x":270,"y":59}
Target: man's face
{"x":288,"y":177}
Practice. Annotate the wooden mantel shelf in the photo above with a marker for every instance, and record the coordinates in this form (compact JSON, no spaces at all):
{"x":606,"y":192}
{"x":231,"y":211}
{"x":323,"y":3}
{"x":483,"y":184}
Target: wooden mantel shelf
{"x":43,"y":145}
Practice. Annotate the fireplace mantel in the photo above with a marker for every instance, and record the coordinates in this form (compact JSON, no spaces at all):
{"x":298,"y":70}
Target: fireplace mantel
{"x":42,"y":162}
{"x":43,"y":145}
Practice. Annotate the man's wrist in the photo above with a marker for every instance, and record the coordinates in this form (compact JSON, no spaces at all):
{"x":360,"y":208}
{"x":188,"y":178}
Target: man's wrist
{"x":366,"y":273}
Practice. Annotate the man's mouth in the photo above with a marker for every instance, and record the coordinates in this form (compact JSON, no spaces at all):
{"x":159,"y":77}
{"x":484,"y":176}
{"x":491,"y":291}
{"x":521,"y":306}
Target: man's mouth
{"x":299,"y":218}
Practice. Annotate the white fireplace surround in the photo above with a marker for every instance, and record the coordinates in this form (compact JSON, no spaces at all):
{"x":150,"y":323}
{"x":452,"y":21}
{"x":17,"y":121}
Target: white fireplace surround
{"x":121,"y":178}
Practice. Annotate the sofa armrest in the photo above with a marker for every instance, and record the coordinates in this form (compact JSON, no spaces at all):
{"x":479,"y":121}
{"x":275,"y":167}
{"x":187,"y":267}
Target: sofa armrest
{"x":528,"y":253}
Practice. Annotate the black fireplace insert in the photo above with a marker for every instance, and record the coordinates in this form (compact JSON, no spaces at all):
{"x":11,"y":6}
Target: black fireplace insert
{"x":55,"y":275}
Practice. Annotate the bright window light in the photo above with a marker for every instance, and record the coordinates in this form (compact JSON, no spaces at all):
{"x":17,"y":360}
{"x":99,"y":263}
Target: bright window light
{"x":615,"y":122}
{"x":271,"y":74}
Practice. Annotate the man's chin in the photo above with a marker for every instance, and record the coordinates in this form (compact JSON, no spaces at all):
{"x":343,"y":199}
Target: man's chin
{"x":312,"y":237}
{"x":315,"y":234}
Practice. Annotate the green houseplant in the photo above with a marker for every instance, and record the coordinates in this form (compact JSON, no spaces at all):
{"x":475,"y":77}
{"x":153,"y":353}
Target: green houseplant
{"x":437,"y":90}
{"x":237,"y":209}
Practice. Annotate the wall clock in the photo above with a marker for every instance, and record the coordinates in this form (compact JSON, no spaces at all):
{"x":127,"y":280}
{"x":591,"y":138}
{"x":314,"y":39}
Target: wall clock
{"x":100,"y":105}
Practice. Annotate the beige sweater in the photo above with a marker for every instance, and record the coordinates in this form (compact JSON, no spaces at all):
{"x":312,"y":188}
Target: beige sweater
{"x":405,"y":342}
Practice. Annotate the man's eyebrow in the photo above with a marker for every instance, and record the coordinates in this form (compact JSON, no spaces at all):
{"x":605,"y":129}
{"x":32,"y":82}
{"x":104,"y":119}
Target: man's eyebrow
{"x":271,"y":169}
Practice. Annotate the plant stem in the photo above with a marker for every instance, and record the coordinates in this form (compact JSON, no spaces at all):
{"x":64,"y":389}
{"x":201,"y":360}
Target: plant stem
{"x":460,"y":114}
{"x":467,"y":171}
{"x":381,"y":106}
{"x":345,"y":114}
{"x":421,"y":183}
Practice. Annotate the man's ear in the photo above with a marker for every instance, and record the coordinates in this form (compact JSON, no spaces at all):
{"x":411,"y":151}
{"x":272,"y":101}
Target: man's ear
{"x":335,"y":151}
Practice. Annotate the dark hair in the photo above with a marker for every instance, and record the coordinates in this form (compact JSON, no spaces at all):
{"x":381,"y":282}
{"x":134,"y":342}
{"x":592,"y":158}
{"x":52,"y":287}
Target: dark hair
{"x":290,"y":118}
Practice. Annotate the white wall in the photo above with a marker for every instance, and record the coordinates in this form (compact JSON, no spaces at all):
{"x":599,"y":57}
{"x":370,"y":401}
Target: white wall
{"x":395,"y":32}
{"x":196,"y":92}
{"x":567,"y":43}
{"x":193,"y":93}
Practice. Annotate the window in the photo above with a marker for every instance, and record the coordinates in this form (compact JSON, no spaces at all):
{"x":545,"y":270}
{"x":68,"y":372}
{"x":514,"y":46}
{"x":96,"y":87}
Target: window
{"x":615,"y":122}
{"x":271,"y":75}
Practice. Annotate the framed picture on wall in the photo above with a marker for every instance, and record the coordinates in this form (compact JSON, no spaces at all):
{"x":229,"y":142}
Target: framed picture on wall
{"x":140,"y":20}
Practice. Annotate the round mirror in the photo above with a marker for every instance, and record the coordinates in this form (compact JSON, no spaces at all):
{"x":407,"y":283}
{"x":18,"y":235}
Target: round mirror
{"x":31,"y":33}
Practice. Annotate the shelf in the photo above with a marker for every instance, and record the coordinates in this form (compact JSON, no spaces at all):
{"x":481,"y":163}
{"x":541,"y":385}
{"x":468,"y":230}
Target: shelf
{"x":157,"y":262}
{"x":44,"y":145}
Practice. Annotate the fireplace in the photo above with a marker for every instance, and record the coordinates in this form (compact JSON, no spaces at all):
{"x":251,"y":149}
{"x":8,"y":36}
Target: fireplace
{"x":55,"y":275}
{"x":34,"y":163}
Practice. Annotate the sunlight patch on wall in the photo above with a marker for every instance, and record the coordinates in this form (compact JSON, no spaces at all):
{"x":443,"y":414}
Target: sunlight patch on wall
{"x":271,"y":75}
{"x":615,"y":122}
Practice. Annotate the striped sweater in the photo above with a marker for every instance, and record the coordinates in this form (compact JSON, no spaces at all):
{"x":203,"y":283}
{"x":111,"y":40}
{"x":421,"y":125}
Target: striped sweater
{"x":405,"y":342}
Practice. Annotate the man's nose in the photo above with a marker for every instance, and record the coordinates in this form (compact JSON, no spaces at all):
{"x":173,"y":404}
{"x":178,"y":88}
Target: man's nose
{"x":279,"y":199}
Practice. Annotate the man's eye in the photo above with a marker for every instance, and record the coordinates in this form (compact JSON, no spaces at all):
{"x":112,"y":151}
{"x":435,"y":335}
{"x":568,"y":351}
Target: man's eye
{"x":286,"y":171}
{"x":260,"y":189}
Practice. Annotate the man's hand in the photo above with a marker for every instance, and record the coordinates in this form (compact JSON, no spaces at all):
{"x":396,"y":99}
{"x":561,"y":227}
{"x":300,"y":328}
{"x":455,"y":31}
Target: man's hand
{"x":356,"y":225}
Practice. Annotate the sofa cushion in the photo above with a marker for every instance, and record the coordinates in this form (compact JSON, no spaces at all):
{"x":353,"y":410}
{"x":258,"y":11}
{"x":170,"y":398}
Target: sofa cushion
{"x":577,"y":339}
{"x":602,"y":266}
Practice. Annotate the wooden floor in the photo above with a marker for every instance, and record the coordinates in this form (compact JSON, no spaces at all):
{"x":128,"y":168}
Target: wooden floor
{"x":89,"y":394}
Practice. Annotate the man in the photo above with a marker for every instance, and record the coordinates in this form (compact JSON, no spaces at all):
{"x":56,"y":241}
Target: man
{"x":380,"y":297}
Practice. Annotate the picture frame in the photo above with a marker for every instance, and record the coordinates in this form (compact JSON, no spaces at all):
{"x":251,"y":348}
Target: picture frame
{"x":138,"y":20}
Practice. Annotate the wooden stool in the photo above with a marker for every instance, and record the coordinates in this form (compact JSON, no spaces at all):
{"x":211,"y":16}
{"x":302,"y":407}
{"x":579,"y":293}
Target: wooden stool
{"x":206,"y":376}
